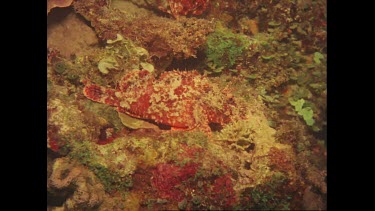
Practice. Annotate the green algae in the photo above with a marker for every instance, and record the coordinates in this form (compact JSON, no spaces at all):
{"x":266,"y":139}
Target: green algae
{"x":107,"y":64}
{"x":224,"y":47}
{"x":317,"y":57}
{"x":94,"y":158}
{"x":269,"y":196}
{"x":307,"y":113}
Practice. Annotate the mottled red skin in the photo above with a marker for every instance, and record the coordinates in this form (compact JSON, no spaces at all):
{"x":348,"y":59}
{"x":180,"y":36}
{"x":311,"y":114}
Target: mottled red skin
{"x":141,"y":95}
{"x":183,"y":7}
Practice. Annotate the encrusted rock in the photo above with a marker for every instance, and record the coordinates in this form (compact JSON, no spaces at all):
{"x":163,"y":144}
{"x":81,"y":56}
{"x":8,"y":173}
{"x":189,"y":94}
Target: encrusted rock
{"x":68,"y":174}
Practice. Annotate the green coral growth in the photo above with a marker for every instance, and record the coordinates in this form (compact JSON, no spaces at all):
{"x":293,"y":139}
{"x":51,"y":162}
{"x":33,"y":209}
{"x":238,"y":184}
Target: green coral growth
{"x":111,"y":180}
{"x":306,"y":112}
{"x":106,"y":112}
{"x":224,"y":47}
{"x":269,"y":196}
{"x":83,"y":152}
{"x":122,"y":51}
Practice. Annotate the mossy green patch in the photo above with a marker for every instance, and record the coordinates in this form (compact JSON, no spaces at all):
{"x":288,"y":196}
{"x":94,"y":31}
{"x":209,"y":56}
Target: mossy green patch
{"x":224,"y":47}
{"x":317,"y":57}
{"x":270,"y":196}
{"x":111,"y":180}
{"x":84,"y":152}
{"x":106,"y":112}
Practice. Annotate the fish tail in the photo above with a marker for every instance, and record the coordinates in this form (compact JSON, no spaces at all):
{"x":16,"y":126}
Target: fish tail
{"x":101,"y":95}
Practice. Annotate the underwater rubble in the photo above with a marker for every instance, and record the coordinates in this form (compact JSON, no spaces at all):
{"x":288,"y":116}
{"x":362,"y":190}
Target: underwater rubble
{"x":186,"y":105}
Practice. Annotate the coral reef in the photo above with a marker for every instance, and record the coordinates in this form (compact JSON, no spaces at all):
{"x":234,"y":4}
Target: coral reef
{"x":282,"y":161}
{"x":112,"y":165}
{"x":251,"y":146}
{"x":63,"y":126}
{"x":312,"y":201}
{"x":180,"y":7}
{"x":66,"y":174}
{"x":167,"y":176}
{"x":317,"y":178}
{"x":150,"y":108}
{"x":162,"y":37}
{"x":182,"y":162}
{"x":274,"y":194}
{"x":223,"y":192}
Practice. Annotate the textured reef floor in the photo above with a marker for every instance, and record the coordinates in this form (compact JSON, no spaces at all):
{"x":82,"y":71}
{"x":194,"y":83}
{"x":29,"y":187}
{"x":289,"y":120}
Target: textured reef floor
{"x":186,"y":105}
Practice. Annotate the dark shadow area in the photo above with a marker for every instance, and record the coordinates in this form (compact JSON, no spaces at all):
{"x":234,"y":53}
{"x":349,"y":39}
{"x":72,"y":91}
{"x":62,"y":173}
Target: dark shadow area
{"x":188,"y":64}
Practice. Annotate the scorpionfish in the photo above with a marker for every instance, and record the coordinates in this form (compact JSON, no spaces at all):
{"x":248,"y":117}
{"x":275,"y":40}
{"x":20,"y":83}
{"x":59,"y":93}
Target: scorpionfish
{"x":183,"y":100}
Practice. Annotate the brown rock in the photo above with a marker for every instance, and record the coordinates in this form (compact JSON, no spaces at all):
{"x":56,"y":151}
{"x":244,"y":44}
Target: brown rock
{"x":312,"y":201}
{"x":70,"y":34}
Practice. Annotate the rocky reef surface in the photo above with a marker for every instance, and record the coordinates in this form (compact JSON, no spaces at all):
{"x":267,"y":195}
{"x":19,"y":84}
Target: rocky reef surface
{"x":186,"y":104}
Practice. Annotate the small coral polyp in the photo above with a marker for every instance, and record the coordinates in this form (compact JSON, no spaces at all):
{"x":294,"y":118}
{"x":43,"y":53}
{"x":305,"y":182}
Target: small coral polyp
{"x":181,"y":99}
